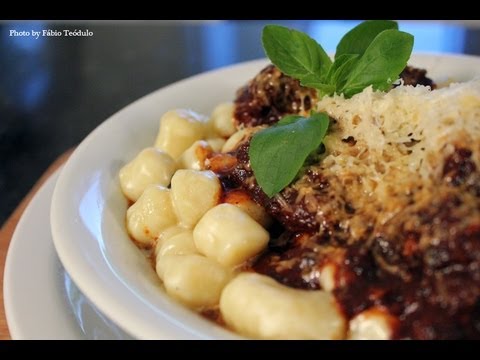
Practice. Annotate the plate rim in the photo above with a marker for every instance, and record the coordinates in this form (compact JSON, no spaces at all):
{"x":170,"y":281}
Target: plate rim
{"x":16,"y":327}
{"x":78,"y":320}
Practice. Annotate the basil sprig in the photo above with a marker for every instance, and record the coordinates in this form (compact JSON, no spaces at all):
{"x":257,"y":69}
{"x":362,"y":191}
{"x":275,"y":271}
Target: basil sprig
{"x":373,"y":53}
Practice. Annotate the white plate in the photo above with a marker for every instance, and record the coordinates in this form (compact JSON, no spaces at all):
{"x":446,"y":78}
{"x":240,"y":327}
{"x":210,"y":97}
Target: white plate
{"x":88,"y":208}
{"x":41,"y":301}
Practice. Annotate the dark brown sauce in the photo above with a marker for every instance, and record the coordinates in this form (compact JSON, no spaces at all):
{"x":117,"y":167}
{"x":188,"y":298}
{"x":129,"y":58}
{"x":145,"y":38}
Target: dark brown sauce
{"x":213,"y":314}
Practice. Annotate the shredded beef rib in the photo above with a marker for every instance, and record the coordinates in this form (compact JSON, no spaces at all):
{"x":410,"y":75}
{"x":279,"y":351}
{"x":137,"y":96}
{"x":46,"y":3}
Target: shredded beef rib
{"x":415,"y":76}
{"x":270,"y":96}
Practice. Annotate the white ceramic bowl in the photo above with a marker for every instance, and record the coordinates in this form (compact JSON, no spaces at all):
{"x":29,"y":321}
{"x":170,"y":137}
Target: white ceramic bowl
{"x":88,"y":208}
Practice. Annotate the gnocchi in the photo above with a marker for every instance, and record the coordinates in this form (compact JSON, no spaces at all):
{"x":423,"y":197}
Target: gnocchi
{"x":167,"y":234}
{"x":216,"y":143}
{"x":257,"y":306}
{"x":194,"y":157}
{"x":193,"y":194}
{"x":152,"y":213}
{"x":222,"y":120}
{"x":179,"y":129}
{"x":150,"y":166}
{"x":228,"y":235}
{"x":179,"y":244}
{"x":193,"y":279}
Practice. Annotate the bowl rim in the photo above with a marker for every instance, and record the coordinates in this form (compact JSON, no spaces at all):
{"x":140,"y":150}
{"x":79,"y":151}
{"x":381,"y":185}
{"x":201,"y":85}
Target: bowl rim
{"x":85,"y":277}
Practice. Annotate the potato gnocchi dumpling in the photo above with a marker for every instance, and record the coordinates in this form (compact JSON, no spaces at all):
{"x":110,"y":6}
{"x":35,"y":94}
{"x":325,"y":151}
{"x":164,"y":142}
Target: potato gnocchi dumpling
{"x":259,"y":307}
{"x":193,"y":194}
{"x":216,"y":143}
{"x":193,"y":279}
{"x":167,"y":234}
{"x":179,"y":244}
{"x":194,"y":157}
{"x":222,"y":120}
{"x":152,"y":213}
{"x":228,"y":235}
{"x":179,"y":129}
{"x":150,"y":166}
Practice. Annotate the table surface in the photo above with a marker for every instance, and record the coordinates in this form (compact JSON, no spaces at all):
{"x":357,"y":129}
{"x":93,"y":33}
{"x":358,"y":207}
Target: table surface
{"x":54,"y":90}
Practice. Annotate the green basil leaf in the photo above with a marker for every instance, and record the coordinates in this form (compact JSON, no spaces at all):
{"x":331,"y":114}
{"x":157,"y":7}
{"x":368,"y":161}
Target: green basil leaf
{"x":295,"y":53}
{"x":336,"y":76}
{"x":277,"y":153}
{"x":381,"y":64}
{"x":341,"y":69}
{"x":357,"y":40}
{"x":287,"y":120}
{"x":322,"y":88}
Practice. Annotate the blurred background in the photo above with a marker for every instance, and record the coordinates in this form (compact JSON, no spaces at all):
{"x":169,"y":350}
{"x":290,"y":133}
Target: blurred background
{"x":54,"y":90}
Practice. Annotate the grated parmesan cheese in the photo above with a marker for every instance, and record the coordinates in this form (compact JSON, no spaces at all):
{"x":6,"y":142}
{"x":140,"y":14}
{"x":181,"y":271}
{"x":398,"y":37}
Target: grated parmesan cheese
{"x":400,"y":140}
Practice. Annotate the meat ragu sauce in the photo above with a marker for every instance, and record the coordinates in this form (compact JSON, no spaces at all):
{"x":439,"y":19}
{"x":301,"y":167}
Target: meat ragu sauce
{"x":269,"y":97}
{"x":422,"y":268}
